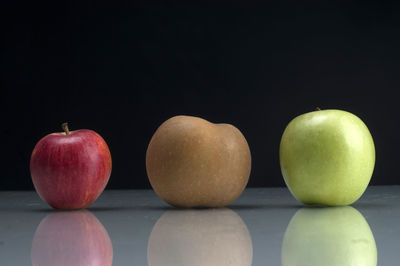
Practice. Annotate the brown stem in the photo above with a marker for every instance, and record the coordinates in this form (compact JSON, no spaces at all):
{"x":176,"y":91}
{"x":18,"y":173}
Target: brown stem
{"x":64,"y":126}
{"x":318,"y":109}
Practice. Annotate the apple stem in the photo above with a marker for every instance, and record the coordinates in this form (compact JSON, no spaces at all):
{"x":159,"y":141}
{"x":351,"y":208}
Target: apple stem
{"x":64,"y":126}
{"x":318,"y":109}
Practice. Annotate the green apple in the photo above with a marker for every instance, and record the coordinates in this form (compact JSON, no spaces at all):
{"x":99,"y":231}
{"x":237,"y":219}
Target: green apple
{"x":327,"y":157}
{"x":337,"y":236}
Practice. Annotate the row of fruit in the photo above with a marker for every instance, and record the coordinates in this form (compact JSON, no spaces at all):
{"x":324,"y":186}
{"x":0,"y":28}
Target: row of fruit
{"x":327,"y":157}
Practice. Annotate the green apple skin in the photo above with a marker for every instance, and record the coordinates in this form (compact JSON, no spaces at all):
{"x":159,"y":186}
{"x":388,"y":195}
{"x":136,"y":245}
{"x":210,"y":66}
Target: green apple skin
{"x":338,"y":236}
{"x":327,"y":157}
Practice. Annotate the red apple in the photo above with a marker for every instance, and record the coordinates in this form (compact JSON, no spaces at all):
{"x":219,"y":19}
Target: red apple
{"x":71,"y":238}
{"x":70,"y":169}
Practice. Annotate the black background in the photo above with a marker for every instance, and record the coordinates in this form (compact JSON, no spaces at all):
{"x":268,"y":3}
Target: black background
{"x":123,"y":68}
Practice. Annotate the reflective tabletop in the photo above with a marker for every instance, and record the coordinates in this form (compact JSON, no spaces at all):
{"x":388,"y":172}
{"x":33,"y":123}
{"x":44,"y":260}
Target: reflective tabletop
{"x":265,"y":226}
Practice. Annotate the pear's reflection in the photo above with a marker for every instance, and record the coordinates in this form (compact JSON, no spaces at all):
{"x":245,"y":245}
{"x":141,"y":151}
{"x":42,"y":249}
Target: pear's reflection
{"x":200,"y":237}
{"x":329,"y":237}
{"x":71,"y":238}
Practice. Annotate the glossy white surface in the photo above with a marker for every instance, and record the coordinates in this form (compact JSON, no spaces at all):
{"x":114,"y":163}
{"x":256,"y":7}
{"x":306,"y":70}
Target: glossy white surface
{"x":143,"y":230}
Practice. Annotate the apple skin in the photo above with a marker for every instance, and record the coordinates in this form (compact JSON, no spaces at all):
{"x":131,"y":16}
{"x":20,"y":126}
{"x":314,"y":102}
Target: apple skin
{"x":200,"y":237}
{"x":70,"y":171}
{"x":71,"y":238}
{"x":191,"y":162}
{"x":327,"y":157}
{"x":338,"y":236}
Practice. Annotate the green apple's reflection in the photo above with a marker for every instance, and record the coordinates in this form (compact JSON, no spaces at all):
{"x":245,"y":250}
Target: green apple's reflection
{"x":328,"y":237}
{"x":200,"y":237}
{"x":71,"y":238}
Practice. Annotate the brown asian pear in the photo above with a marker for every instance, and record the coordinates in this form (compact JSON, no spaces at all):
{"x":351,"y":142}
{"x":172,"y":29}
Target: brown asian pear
{"x":191,"y":162}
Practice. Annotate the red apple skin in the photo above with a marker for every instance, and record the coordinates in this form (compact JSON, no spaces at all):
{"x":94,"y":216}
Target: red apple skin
{"x":69,"y":171}
{"x":71,"y":238}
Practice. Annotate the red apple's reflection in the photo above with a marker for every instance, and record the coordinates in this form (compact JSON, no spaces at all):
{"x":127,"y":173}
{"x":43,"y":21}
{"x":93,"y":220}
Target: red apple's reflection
{"x":74,"y":238}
